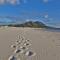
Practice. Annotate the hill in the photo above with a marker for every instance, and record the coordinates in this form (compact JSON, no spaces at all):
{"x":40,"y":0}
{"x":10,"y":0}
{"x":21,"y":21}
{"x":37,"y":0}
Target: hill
{"x":31,"y":24}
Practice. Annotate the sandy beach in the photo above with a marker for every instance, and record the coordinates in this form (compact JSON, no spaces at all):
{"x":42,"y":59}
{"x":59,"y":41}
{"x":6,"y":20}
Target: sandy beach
{"x":46,"y":44}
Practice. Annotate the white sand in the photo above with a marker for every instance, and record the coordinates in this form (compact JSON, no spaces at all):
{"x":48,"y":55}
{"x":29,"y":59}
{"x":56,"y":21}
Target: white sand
{"x":45,"y":44}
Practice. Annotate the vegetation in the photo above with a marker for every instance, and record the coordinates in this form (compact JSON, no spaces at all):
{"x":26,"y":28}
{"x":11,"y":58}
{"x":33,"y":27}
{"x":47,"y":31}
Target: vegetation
{"x":31,"y":24}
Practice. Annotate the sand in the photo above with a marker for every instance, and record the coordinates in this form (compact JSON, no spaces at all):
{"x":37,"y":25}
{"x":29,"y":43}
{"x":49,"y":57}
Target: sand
{"x":45,"y":44}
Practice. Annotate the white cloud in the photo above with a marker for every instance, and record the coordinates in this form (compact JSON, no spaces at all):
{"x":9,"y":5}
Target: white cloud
{"x":16,"y":1}
{"x":46,"y":16}
{"x":13,"y":1}
{"x":45,"y":1}
{"x":2,"y":1}
{"x":27,"y":20}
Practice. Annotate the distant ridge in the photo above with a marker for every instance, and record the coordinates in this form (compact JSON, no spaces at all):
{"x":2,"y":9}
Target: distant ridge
{"x":31,"y":24}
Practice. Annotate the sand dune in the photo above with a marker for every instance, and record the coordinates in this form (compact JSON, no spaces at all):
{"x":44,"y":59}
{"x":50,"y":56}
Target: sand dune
{"x":46,"y":44}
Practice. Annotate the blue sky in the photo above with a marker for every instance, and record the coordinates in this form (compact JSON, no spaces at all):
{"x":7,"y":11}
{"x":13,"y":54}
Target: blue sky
{"x":47,"y":11}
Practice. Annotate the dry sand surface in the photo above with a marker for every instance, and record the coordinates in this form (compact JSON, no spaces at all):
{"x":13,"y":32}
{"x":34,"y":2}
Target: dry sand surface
{"x":46,"y":44}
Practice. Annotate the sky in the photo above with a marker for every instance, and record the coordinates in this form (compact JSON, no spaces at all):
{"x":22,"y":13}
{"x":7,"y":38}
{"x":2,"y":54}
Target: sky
{"x":46,"y":11}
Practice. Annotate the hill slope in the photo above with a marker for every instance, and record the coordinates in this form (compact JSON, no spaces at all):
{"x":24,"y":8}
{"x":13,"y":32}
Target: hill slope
{"x":32,"y":24}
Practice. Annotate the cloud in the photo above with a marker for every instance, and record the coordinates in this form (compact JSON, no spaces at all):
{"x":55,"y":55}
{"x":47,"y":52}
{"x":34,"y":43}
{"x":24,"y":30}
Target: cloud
{"x":27,"y":20}
{"x":2,"y":1}
{"x":45,"y":1}
{"x":46,"y":16}
{"x":13,"y":1}
{"x":16,"y":1}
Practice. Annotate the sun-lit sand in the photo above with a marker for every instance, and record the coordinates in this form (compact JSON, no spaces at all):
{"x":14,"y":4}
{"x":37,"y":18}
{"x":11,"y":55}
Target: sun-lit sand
{"x":45,"y":44}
